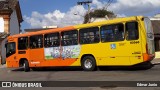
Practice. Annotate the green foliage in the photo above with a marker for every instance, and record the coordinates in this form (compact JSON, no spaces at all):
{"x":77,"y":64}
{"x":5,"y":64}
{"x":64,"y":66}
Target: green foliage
{"x":98,"y":13}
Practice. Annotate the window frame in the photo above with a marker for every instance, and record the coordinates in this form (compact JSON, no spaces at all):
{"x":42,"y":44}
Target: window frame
{"x":42,"y":42}
{"x":53,"y":40}
{"x":113,"y":32}
{"x":27,"y":44}
{"x":70,"y":38}
{"x":126,"y":35}
{"x":87,"y":31}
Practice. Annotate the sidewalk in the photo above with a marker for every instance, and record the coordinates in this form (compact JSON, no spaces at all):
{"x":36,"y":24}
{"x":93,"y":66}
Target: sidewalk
{"x":3,"y":66}
{"x":156,"y":60}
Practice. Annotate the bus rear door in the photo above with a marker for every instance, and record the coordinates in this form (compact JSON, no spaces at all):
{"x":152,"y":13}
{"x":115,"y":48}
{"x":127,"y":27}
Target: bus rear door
{"x":134,"y":42}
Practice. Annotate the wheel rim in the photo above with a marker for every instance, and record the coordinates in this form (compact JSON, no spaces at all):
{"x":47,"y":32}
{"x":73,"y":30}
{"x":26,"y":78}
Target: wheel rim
{"x":24,"y":65}
{"x":88,"y":63}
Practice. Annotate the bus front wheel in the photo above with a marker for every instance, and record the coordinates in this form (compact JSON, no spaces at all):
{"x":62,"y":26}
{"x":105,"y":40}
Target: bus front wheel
{"x":88,"y":63}
{"x":26,"y":66}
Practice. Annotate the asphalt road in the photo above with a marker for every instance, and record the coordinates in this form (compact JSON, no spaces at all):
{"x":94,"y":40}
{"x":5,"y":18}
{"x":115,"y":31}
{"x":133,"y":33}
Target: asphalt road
{"x":77,"y":74}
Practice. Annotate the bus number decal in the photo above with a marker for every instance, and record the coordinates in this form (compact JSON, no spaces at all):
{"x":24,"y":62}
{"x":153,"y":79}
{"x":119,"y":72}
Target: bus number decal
{"x":138,"y":52}
{"x":134,"y":42}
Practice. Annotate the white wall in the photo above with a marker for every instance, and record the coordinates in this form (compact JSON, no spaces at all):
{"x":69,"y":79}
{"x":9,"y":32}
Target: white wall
{"x":2,"y":48}
{"x":14,"y":29}
{"x":14,"y":25}
{"x":3,"y":51}
{"x":1,"y":24}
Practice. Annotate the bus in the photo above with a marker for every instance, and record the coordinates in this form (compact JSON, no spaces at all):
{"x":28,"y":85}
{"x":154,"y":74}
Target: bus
{"x":118,"y":42}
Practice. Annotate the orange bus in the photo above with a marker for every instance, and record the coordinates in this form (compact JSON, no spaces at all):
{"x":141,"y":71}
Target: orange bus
{"x":119,"y":42}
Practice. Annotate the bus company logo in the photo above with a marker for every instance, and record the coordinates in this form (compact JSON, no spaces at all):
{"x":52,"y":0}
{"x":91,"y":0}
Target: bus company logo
{"x":6,"y":84}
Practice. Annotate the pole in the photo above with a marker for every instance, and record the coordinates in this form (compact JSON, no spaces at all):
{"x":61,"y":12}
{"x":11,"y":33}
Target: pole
{"x":89,"y":13}
{"x":88,"y":4}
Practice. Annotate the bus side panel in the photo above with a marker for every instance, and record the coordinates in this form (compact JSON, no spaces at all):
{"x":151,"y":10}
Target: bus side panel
{"x":134,"y":51}
{"x":113,"y":54}
{"x":104,"y":55}
{"x":58,"y":62}
{"x":60,"y":56}
{"x":92,"y":49}
{"x":36,"y":57}
{"x":11,"y":61}
{"x":22,"y":54}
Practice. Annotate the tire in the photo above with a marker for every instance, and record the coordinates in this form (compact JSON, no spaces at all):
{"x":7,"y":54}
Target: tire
{"x":38,"y":68}
{"x":26,"y":66}
{"x":143,"y":66}
{"x":147,"y":65}
{"x":88,"y":63}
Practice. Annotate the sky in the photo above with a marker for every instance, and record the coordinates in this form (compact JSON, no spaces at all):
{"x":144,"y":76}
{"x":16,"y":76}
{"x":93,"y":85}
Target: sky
{"x":38,"y":13}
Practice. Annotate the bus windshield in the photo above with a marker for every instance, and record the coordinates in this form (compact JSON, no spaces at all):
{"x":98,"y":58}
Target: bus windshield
{"x":150,"y":36}
{"x":10,"y":49}
{"x":149,"y":29}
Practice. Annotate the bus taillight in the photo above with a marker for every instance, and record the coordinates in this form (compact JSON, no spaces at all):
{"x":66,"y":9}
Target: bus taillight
{"x":148,"y":56}
{"x":145,"y":57}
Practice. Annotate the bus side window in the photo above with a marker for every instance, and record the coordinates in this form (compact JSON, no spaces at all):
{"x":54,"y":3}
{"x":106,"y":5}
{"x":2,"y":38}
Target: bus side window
{"x":107,"y":34}
{"x":119,"y":32}
{"x":22,"y":43}
{"x":132,"y":31}
{"x":36,"y":41}
{"x":111,"y":33}
{"x":69,"y":38}
{"x":89,"y":35}
{"x":51,"y":40}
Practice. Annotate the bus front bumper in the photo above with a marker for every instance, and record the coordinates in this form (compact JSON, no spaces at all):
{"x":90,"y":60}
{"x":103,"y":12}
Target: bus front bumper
{"x":12,"y":64}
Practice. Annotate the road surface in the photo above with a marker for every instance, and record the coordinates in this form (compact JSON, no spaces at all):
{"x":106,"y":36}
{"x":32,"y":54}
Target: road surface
{"x":77,"y":74}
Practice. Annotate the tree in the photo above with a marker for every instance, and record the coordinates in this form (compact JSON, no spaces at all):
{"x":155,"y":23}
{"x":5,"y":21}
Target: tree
{"x":98,"y":13}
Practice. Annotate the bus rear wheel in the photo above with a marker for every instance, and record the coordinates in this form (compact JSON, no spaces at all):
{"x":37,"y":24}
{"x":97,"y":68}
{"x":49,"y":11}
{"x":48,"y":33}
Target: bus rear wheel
{"x":88,"y":63}
{"x":26,"y":66}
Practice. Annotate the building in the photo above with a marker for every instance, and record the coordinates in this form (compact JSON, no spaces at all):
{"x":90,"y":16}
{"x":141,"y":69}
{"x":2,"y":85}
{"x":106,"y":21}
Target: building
{"x":40,"y":29}
{"x":156,"y":29}
{"x":10,"y":19}
{"x":10,"y":16}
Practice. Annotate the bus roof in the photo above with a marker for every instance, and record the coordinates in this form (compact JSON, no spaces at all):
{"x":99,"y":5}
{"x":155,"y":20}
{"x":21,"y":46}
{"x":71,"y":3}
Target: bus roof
{"x":44,"y":31}
{"x":116,"y":20}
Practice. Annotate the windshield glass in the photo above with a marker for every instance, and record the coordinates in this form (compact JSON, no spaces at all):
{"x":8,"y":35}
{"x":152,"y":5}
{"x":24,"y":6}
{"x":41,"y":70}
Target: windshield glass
{"x":150,"y":36}
{"x":10,"y":49}
{"x":149,"y":29}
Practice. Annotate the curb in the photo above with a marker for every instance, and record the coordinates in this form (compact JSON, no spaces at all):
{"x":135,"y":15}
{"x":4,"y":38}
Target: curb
{"x":3,"y":66}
